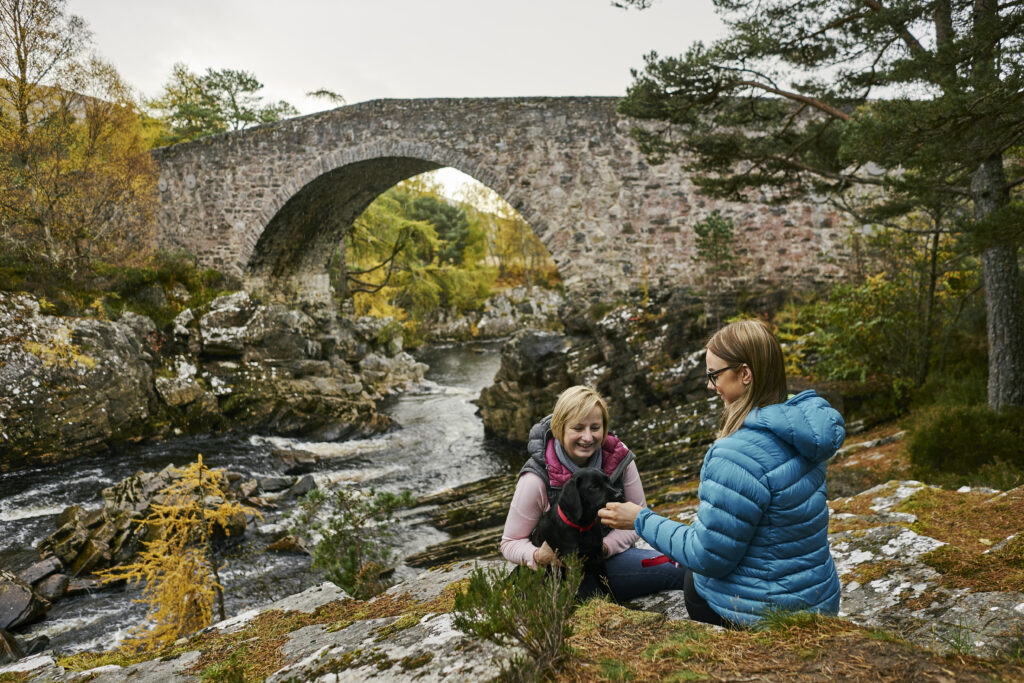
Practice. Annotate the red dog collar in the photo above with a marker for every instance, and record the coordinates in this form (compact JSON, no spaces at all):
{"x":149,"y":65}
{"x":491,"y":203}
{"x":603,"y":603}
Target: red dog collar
{"x":579,"y":528}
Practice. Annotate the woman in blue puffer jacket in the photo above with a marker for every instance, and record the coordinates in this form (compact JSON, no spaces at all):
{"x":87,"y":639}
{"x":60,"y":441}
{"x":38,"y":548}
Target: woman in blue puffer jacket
{"x":760,"y":540}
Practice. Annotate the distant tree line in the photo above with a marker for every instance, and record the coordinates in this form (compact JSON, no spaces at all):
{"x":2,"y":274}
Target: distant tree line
{"x":76,"y":178}
{"x":414,"y":251}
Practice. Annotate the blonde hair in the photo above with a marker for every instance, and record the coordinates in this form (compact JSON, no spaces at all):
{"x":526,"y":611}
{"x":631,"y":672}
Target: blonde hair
{"x":750,"y":342}
{"x":574,"y":404}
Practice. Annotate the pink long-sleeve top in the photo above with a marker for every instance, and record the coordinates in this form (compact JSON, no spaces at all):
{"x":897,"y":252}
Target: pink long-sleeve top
{"x":530,"y":501}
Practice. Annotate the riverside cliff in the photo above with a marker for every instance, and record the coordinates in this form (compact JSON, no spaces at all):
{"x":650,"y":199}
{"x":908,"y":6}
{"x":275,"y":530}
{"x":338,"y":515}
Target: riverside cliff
{"x":75,"y":385}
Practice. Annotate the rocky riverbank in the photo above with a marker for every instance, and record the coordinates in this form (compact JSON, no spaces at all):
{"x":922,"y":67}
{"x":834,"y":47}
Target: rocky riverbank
{"x":898,"y":615}
{"x":76,"y":385}
{"x":502,"y":315}
{"x":86,"y":542}
{"x":71,"y":386}
{"x":644,"y":357}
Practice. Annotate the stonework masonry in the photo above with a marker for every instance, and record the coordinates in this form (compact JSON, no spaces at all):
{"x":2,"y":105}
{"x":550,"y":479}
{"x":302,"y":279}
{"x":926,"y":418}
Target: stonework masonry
{"x":270,"y":204}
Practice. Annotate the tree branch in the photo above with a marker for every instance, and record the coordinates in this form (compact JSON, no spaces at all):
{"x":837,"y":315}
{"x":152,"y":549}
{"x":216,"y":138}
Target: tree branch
{"x":368,"y":288}
{"x":912,"y":43}
{"x":797,"y":97}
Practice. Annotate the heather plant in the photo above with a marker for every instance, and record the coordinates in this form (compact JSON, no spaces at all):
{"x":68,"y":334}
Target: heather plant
{"x":528,"y":609}
{"x":181,"y":578}
{"x":353,"y":530}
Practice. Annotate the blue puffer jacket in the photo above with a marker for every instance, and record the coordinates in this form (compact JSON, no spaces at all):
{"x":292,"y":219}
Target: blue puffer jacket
{"x":760,"y":540}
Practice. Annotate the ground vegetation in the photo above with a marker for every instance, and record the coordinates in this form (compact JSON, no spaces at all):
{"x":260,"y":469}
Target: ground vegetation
{"x":177,"y":565}
{"x":352,"y":535}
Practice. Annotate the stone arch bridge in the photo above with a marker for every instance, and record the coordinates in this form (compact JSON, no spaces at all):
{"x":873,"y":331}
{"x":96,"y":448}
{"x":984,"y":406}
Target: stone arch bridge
{"x":270,"y":204}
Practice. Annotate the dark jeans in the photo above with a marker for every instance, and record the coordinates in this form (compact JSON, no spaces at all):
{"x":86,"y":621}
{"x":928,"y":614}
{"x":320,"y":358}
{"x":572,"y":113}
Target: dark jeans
{"x":696,"y":606}
{"x":629,"y":579}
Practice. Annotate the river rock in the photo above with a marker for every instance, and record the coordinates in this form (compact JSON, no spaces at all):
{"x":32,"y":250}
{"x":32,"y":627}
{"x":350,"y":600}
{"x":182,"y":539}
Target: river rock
{"x":534,"y":370}
{"x":94,"y":554}
{"x":177,"y":391}
{"x":89,"y":540}
{"x":502,"y":315}
{"x":293,"y":461}
{"x":10,"y":648}
{"x":40,"y":570}
{"x":248,"y":488}
{"x":19,"y":605}
{"x":82,"y":586}
{"x":68,"y":386}
{"x":273,"y":483}
{"x":224,"y":328}
{"x":386,"y":375}
{"x":304,"y":485}
{"x":53,"y":588}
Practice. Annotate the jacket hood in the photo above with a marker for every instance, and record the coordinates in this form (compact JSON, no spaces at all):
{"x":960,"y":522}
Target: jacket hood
{"x":806,"y":422}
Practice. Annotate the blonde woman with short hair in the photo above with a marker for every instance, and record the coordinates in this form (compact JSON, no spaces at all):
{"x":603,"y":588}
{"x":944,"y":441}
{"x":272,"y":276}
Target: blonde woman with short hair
{"x":760,"y":540}
{"x":576,"y":436}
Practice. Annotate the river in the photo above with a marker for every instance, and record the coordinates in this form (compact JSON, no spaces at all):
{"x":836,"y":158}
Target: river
{"x":439,"y":443}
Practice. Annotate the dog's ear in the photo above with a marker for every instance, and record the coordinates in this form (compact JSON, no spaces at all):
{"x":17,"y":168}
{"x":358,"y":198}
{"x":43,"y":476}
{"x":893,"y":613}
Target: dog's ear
{"x":570,"y":501}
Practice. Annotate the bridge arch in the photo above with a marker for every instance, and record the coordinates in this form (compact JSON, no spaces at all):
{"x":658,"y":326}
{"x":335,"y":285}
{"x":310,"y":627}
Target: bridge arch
{"x":266,"y":203}
{"x":290,"y":254}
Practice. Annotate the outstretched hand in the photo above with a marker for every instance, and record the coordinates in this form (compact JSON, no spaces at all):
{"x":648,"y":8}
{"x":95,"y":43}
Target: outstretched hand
{"x":546,"y":555}
{"x":619,"y":515}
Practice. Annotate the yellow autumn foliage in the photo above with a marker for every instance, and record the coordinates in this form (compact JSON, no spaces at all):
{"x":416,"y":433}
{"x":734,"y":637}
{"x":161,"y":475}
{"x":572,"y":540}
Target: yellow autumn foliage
{"x":181,"y":584}
{"x":60,"y":351}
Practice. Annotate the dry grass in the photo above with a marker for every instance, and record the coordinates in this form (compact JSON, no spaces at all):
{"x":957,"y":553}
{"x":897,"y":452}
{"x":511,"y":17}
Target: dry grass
{"x":869,"y":571}
{"x":254,"y":652}
{"x":613,"y":645}
{"x":971,"y":524}
{"x":267,"y":633}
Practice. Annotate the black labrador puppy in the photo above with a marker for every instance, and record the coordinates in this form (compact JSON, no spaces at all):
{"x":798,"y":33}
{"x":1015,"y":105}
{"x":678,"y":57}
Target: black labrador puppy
{"x":571,"y":525}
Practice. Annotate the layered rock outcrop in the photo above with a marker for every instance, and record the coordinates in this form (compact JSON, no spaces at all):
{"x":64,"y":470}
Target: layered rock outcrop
{"x":641,"y":356}
{"x":70,"y":386}
{"x":502,"y":315}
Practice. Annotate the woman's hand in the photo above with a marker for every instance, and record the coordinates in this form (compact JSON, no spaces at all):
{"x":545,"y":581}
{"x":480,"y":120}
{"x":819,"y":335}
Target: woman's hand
{"x":619,"y":515}
{"x":544,"y":555}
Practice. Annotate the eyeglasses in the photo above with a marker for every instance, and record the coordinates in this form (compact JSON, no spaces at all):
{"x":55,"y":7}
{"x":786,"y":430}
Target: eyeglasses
{"x":713,"y":374}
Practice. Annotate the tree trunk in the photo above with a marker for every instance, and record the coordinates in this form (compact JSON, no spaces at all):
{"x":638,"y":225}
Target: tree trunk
{"x":1004,"y":308}
{"x":924,"y":359}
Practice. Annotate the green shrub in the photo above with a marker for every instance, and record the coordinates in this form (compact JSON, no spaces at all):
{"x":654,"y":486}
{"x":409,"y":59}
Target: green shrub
{"x":973,"y":443}
{"x":528,"y":609}
{"x":353,"y":529}
{"x":963,"y":389}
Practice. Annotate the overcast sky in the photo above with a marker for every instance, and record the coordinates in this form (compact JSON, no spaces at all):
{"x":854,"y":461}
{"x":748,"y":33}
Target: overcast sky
{"x":369,"y":49}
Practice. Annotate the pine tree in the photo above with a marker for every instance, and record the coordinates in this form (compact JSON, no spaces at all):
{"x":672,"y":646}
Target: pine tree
{"x":886,"y":106}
